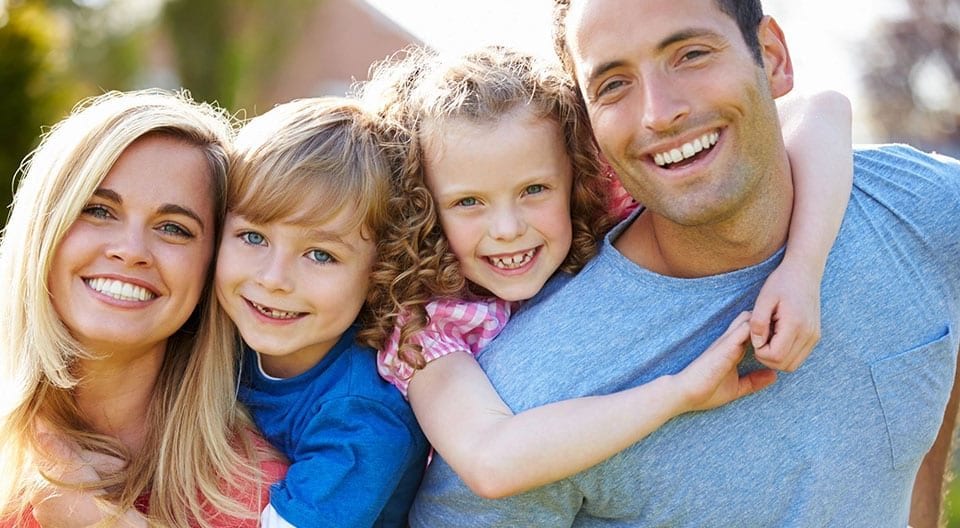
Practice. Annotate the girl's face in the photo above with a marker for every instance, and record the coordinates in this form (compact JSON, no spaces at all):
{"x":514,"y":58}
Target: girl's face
{"x":132,"y":267}
{"x":503,"y":195}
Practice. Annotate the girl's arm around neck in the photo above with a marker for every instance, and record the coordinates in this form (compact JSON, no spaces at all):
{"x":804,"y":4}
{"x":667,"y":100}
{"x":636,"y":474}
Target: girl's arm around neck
{"x":786,"y":317}
{"x":498,"y":454}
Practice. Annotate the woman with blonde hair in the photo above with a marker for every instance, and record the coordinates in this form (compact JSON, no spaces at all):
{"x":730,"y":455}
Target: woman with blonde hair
{"x":119,"y":402}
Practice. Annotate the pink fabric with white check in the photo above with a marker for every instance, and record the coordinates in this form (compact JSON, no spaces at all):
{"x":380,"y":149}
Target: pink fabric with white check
{"x":454,"y":325}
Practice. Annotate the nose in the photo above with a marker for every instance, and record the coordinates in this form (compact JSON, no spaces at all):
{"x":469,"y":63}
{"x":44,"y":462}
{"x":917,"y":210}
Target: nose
{"x":507,"y":223}
{"x":274,"y":273}
{"x":131,"y":247}
{"x":664,"y":102}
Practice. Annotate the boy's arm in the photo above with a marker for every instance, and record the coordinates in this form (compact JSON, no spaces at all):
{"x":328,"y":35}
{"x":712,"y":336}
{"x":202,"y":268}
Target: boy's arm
{"x":926,"y":505}
{"x":786,"y":318}
{"x":498,"y":454}
{"x":347,"y":463}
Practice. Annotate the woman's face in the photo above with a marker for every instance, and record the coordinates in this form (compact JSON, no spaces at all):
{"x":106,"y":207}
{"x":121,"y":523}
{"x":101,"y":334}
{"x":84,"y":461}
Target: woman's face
{"x":131,"y":268}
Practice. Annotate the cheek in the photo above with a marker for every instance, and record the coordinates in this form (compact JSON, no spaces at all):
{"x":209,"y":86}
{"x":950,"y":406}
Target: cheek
{"x":461,"y":235}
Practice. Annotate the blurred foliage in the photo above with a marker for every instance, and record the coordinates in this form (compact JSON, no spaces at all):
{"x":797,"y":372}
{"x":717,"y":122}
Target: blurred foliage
{"x":35,"y":80}
{"x":54,"y":53}
{"x":912,"y":76}
{"x":225,"y":50}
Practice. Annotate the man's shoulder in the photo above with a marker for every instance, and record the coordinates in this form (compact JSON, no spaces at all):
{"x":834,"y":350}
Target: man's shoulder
{"x":899,"y":162}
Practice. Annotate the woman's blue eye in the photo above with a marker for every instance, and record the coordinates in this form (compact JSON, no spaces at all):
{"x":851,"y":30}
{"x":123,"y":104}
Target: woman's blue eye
{"x":320,"y":256}
{"x":252,"y":237}
{"x":176,"y":230}
{"x":96,"y":211}
{"x":469,"y":201}
{"x":534,"y":189}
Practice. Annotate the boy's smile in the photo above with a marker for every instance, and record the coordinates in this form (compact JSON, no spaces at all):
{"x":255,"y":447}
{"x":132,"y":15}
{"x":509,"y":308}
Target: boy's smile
{"x":293,"y":290}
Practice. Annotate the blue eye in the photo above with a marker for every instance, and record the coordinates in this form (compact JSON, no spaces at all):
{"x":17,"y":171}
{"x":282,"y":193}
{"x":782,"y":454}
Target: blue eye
{"x":534,"y":189}
{"x":175,"y":230}
{"x":320,"y":256}
{"x":469,"y":201}
{"x":96,"y":211}
{"x":253,"y":238}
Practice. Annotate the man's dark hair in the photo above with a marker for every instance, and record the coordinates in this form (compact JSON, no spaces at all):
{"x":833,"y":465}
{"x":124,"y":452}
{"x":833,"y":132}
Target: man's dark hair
{"x":747,"y":14}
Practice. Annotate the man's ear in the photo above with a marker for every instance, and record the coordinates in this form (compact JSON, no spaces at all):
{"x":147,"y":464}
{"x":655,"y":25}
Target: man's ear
{"x":776,"y":57}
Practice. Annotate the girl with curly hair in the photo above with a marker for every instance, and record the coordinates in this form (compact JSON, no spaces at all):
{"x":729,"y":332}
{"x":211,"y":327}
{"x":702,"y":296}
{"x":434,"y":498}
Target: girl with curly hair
{"x":499,"y":186}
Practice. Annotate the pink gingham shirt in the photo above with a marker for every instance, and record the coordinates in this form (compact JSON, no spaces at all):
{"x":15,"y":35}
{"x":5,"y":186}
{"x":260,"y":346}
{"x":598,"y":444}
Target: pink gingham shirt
{"x":454,"y":325}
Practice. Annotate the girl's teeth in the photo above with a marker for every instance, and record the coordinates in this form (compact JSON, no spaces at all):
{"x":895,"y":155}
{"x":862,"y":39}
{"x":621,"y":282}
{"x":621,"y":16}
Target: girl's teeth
{"x":687,"y":150}
{"x":123,"y":291}
{"x":513,"y":261}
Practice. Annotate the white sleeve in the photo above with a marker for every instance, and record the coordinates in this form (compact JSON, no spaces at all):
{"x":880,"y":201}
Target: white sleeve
{"x":269,"y":518}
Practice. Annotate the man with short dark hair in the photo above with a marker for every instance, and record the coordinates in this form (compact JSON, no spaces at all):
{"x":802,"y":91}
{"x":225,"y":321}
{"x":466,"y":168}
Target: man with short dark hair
{"x":836,"y":443}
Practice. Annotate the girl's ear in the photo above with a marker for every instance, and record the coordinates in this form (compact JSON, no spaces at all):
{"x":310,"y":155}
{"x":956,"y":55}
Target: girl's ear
{"x":776,"y":57}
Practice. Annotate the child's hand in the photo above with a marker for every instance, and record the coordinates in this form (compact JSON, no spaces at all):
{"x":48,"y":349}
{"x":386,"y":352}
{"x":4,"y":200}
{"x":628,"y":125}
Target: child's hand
{"x":67,"y":506}
{"x":788,"y":307}
{"x":712,"y":379}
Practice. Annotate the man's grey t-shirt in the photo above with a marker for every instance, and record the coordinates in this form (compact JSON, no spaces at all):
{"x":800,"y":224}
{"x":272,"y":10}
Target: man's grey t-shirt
{"x":836,"y":443}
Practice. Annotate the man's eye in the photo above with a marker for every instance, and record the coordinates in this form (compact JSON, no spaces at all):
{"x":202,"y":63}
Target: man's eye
{"x":609,"y":86}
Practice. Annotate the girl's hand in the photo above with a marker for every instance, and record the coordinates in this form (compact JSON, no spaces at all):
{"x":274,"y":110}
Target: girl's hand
{"x":67,"y":506}
{"x":712,"y":379}
{"x":785,"y":325}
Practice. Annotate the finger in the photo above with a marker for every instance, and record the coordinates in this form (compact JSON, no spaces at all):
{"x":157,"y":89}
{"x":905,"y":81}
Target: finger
{"x":760,"y":321}
{"x":755,"y":381}
{"x":777,"y":353}
{"x":802,"y":351}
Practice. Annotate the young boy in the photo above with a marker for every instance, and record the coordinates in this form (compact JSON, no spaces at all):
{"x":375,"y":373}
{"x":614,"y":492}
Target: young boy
{"x":306,"y":200}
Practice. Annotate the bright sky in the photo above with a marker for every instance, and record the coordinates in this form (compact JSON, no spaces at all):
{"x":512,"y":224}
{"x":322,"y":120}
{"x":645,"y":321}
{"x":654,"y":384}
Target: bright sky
{"x":823,"y":35}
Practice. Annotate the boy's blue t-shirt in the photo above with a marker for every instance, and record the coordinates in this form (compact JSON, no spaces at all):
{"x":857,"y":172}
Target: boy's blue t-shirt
{"x":356,"y":452}
{"x":836,"y":443}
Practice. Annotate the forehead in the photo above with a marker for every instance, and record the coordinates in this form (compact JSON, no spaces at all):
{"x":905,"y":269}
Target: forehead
{"x":159,"y":170}
{"x":600,"y":31}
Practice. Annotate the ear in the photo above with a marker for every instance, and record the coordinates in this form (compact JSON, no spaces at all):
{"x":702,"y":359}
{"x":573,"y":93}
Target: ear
{"x":776,"y":57}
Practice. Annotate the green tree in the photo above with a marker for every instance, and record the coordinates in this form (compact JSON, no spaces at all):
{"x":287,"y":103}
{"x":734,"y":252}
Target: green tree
{"x":35,"y":82}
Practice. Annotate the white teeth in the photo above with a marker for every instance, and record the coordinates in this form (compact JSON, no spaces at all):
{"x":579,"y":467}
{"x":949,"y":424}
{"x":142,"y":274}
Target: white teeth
{"x":687,"y":150}
{"x":123,"y":291}
{"x":512,"y":261}
{"x":274,"y":314}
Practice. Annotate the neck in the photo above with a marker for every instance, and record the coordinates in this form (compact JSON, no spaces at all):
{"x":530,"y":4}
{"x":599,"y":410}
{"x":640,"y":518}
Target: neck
{"x":115,"y":392}
{"x":748,"y":236}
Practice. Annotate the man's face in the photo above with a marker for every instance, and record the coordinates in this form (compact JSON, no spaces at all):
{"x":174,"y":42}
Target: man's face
{"x":678,"y":103}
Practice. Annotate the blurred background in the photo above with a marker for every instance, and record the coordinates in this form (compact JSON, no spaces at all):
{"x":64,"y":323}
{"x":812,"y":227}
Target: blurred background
{"x":897,"y":60}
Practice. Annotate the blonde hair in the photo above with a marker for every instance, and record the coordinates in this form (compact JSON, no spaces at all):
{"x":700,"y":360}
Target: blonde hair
{"x":196,"y":438}
{"x":307,"y":160}
{"x":416,"y":94}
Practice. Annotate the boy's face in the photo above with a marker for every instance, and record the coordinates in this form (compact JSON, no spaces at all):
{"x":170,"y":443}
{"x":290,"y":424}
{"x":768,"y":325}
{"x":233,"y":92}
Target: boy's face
{"x":293,"y":290}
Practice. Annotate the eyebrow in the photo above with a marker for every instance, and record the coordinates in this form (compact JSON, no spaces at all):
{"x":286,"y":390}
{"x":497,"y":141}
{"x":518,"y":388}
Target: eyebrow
{"x":679,"y":36}
{"x":166,"y":209}
{"x":327,"y":236}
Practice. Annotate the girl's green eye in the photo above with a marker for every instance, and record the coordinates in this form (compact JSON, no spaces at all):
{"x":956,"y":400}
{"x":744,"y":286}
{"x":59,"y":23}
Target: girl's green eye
{"x":534,"y":189}
{"x":469,"y":201}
